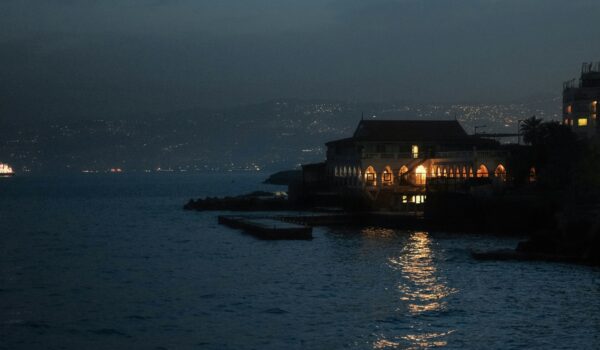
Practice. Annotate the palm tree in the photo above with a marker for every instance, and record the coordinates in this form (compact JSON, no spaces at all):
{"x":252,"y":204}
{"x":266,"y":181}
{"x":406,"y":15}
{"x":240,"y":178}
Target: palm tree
{"x":530,"y":129}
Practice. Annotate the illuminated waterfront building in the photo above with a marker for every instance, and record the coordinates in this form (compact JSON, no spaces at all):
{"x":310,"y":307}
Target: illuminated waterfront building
{"x":408,"y":156}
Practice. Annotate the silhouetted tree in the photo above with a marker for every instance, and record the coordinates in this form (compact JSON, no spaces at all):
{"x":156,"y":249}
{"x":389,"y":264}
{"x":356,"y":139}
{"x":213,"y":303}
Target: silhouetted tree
{"x":530,"y":129}
{"x":556,"y":151}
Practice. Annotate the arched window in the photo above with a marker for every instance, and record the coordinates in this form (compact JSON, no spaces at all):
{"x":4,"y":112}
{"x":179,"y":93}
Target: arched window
{"x":403,"y":174}
{"x":500,"y":172}
{"x":420,"y":175}
{"x":439,"y":171}
{"x":482,"y":171}
{"x":464,"y":172}
{"x":387,"y":177}
{"x":470,"y":171}
{"x":451,"y":172}
{"x":532,"y":175}
{"x":371,"y":176}
{"x":445,"y":172}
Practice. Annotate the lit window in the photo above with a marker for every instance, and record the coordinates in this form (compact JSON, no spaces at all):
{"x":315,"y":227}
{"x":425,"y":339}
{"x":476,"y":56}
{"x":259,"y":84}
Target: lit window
{"x":482,"y":171}
{"x":421,"y":175}
{"x":415,"y":151}
{"x":595,"y":107}
{"x":582,"y":122}
{"x":371,"y":176}
{"x":418,"y":199}
{"x":569,"y":109}
{"x":387,"y":177}
{"x":567,"y":121}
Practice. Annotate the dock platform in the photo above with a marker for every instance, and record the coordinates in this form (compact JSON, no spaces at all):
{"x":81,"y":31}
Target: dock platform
{"x":267,"y":228}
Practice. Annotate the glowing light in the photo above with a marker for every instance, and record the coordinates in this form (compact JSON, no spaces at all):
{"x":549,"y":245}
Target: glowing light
{"x":6,"y":169}
{"x":418,"y":199}
{"x":422,"y":287}
{"x":387,"y":178}
{"x":582,"y":122}
{"x":371,"y":176}
{"x":500,"y":172}
{"x":415,"y":151}
{"x":421,"y":175}
{"x":482,"y":171}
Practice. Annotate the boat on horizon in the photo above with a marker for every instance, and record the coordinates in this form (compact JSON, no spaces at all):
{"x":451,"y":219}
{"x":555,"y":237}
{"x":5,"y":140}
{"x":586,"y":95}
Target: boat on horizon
{"x":6,"y":170}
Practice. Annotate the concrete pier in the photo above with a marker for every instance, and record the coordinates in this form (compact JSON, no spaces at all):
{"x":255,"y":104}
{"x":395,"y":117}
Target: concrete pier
{"x":267,"y":228}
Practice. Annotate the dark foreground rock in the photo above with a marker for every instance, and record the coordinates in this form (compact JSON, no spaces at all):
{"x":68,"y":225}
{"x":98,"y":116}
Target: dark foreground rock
{"x":518,"y":255}
{"x":575,"y":239}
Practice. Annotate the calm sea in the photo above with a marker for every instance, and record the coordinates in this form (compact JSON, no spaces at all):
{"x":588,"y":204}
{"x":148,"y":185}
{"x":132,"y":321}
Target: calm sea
{"x":112,"y":262}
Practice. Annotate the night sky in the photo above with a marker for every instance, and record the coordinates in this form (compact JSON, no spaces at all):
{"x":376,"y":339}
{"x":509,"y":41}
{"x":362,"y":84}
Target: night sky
{"x":84,"y":59}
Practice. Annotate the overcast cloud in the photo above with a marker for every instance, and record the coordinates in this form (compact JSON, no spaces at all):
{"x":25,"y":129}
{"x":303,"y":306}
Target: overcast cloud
{"x":115,"y":58}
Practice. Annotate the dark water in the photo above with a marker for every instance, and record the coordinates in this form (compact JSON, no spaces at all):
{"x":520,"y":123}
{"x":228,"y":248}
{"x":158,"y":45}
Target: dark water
{"x":112,"y":262}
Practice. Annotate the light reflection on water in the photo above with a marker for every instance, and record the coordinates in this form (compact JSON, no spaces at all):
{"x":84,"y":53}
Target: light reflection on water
{"x":97,"y":262}
{"x":421,"y":288}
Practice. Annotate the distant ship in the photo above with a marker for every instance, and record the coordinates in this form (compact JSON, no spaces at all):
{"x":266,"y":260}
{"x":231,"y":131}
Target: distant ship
{"x":6,"y":170}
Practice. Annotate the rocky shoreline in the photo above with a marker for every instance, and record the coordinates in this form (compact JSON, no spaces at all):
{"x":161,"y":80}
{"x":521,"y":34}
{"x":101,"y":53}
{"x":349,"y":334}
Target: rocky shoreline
{"x":558,"y":231}
{"x":255,"y":201}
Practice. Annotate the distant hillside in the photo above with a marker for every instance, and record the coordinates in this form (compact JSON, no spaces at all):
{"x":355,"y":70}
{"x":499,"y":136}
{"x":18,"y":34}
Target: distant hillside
{"x":275,"y":135}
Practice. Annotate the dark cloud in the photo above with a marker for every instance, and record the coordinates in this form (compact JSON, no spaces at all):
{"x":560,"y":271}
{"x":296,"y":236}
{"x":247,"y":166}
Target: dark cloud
{"x":113,"y":58}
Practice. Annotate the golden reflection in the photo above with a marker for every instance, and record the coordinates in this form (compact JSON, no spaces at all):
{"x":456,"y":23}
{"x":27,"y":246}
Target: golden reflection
{"x":377,"y":232}
{"x":422,"y":290}
{"x":427,"y":340}
{"x":384,"y":344}
{"x":421,"y":287}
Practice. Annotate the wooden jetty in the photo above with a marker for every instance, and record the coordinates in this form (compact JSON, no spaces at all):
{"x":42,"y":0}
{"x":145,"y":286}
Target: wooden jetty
{"x":267,"y":228}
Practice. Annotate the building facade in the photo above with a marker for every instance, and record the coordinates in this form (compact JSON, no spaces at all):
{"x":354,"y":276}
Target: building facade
{"x":580,"y":101}
{"x":407,"y":156}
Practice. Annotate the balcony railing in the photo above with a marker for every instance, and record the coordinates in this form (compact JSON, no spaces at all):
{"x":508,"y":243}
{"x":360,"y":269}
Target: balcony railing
{"x":448,"y":154}
{"x":375,"y":155}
